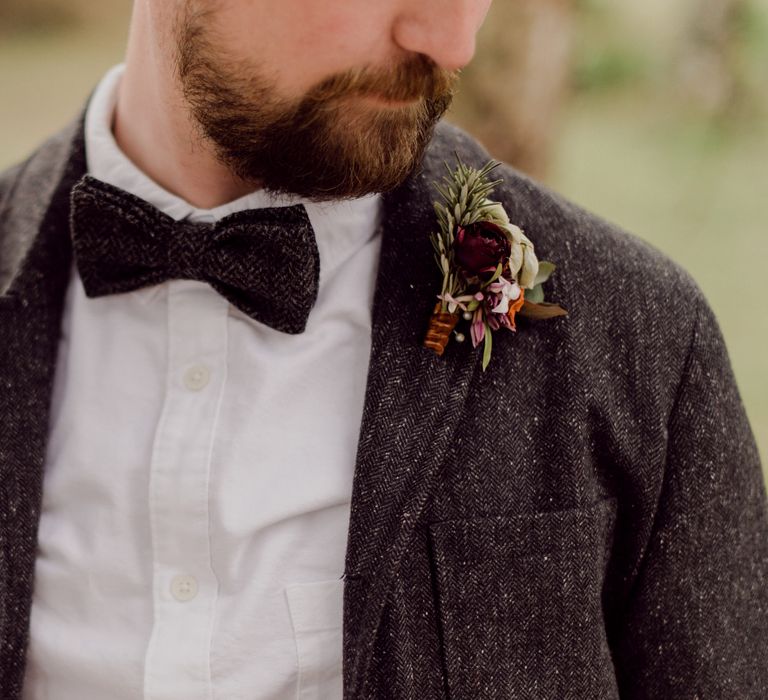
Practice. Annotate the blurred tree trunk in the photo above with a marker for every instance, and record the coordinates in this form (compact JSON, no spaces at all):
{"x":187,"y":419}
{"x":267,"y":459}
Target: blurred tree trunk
{"x":23,"y":15}
{"x":513,"y":90}
{"x":709,"y":65}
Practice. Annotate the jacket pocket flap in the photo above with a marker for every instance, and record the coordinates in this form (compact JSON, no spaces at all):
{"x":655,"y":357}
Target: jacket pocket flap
{"x":526,"y":533}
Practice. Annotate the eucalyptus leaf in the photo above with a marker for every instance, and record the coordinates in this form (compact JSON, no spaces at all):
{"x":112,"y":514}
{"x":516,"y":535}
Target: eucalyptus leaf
{"x":535,"y":295}
{"x":487,"y":346}
{"x":546,"y":268}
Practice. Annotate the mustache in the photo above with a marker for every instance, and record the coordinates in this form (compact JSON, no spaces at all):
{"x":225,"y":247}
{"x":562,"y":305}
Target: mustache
{"x":418,"y":78}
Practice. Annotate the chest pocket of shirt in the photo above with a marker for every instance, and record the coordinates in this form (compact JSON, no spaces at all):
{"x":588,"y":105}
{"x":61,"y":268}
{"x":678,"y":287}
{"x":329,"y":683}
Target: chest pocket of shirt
{"x":316,"y":614}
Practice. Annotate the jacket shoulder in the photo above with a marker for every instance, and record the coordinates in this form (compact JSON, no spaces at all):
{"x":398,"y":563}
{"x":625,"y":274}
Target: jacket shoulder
{"x":25,"y":194}
{"x":620,"y":291}
{"x":10,"y":245}
{"x":627,"y":301}
{"x":8,"y":178}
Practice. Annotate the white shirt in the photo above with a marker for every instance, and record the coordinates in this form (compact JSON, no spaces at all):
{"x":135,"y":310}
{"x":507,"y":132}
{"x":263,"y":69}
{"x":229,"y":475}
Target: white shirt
{"x":198,"y":474}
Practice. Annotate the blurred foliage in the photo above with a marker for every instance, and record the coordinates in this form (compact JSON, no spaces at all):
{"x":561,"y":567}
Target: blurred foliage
{"x":604,"y":58}
{"x":609,"y":67}
{"x":751,"y":23}
{"x":699,"y":44}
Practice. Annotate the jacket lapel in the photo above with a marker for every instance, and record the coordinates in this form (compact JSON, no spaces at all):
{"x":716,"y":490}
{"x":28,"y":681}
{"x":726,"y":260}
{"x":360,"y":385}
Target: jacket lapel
{"x":36,"y":264}
{"x":412,"y":407}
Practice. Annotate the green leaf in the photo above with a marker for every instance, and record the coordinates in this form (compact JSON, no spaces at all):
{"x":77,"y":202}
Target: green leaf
{"x":535,"y":295}
{"x":487,"y":346}
{"x":496,"y":275}
{"x":546,"y":268}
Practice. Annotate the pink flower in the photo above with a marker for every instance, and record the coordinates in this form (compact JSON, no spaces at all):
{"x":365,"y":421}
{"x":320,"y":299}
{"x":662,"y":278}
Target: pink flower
{"x":508,"y":291}
{"x":496,"y":320}
{"x":477,"y":329}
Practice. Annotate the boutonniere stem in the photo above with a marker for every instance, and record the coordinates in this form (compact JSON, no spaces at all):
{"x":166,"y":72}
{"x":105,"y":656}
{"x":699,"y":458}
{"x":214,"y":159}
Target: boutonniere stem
{"x":490,"y":272}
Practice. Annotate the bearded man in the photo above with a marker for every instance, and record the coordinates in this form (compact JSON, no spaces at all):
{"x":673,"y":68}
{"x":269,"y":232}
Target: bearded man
{"x":230,"y":467}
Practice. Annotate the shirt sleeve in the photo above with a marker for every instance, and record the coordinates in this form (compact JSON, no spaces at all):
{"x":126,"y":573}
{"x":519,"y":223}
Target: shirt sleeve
{"x":696,"y":624}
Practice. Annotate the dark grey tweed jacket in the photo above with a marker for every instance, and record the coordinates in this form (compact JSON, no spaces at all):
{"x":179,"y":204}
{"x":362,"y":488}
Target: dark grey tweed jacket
{"x":586,"y":519}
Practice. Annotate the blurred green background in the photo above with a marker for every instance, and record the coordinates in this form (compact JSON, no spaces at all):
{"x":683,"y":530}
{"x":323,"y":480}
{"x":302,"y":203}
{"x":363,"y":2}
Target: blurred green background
{"x":649,"y":113}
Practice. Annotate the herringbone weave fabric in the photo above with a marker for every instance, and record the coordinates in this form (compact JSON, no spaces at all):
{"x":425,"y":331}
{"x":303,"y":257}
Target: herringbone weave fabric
{"x":585,"y":520}
{"x":264,"y":261}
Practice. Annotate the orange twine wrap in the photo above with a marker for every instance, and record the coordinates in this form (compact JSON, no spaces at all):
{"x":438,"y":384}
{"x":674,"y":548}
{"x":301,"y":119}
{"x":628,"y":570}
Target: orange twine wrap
{"x":441,"y":323}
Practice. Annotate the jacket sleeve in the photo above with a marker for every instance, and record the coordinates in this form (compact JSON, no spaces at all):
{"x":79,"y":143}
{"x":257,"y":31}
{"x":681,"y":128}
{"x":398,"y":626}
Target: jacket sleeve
{"x":696,"y":623}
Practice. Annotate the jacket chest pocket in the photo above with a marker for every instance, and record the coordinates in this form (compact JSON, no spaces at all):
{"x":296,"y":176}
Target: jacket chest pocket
{"x":519,"y":600}
{"x":316,"y":615}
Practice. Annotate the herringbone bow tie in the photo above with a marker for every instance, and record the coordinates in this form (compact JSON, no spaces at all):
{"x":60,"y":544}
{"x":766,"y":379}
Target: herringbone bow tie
{"x":264,"y":261}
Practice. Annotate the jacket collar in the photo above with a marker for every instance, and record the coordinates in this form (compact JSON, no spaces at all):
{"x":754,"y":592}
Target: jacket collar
{"x":413,"y":398}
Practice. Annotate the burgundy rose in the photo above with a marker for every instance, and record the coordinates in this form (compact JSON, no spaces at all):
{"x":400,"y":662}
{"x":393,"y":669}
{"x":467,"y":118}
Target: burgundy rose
{"x":480,"y":247}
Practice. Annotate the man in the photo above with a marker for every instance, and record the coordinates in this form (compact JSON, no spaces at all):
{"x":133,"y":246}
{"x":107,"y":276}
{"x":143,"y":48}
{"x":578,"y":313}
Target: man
{"x":231,"y":469}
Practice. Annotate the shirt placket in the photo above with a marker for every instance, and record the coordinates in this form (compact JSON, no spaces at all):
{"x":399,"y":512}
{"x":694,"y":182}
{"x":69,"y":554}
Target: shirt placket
{"x":184,"y":585}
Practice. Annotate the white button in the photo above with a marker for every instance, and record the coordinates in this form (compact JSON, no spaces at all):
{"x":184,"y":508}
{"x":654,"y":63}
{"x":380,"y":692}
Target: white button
{"x":196,"y":377}
{"x":184,"y":588}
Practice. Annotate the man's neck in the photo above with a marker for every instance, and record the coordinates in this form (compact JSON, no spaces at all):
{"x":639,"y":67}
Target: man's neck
{"x":153,"y":127}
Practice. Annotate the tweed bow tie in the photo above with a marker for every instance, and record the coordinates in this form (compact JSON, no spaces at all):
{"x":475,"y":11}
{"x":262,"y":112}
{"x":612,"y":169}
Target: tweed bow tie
{"x":264,"y":261}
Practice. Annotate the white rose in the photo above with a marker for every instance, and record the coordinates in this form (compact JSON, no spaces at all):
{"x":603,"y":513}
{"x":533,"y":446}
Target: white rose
{"x":515,"y":259}
{"x":496,"y":213}
{"x":530,"y":268}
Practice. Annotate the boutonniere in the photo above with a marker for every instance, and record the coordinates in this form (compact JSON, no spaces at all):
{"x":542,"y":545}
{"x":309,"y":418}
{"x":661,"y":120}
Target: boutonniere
{"x":489,"y":268}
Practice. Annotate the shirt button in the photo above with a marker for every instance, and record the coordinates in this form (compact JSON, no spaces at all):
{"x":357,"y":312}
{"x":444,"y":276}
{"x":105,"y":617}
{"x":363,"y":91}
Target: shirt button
{"x":196,"y":377}
{"x":183,"y":587}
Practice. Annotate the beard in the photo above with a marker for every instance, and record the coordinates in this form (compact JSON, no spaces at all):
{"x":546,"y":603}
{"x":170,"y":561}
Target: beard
{"x":327,"y":144}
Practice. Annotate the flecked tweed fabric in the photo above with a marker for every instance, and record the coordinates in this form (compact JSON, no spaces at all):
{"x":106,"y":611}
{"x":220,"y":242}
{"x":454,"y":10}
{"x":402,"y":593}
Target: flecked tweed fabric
{"x":264,"y":261}
{"x":585,"y":520}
